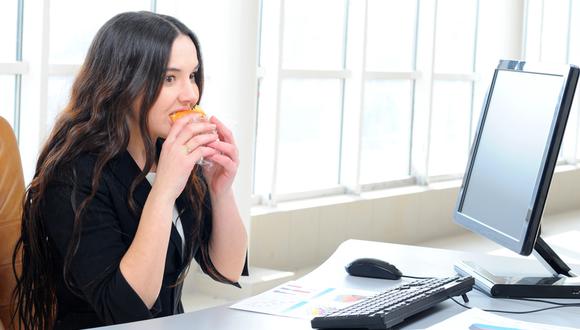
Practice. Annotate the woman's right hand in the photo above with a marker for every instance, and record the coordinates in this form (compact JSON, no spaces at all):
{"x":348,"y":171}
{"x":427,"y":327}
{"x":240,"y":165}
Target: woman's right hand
{"x":184,"y":146}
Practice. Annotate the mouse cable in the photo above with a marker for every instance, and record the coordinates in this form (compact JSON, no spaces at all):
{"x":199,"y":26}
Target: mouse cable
{"x":549,"y":302}
{"x":417,"y":277}
{"x":558,"y":305}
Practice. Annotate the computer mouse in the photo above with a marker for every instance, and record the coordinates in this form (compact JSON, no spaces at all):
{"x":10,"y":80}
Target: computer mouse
{"x":375,"y":268}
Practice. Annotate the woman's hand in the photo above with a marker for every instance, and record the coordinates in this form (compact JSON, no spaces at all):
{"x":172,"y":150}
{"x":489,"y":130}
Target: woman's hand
{"x":184,"y":146}
{"x":220,"y":176}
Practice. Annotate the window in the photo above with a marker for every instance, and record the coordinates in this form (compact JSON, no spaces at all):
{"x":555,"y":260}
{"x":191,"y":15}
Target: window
{"x":8,"y":22}
{"x":59,"y":88}
{"x":361,"y":95}
{"x":7,"y":94}
{"x":309,"y":118}
{"x":553,"y":35}
{"x":68,"y":46}
{"x":314,"y":38}
{"x":10,"y":68}
{"x":354,"y":95}
{"x":450,"y":114}
{"x":387,"y":113}
{"x":300,"y":104}
{"x":454,"y":56}
{"x":391,"y":23}
{"x":386,"y":130}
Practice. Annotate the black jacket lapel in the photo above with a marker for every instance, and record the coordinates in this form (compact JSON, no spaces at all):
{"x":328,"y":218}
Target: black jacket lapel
{"x":126,"y":170}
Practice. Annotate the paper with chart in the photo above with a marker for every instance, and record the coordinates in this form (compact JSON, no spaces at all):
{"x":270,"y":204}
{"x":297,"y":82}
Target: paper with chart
{"x":477,"y":319}
{"x":294,"y":299}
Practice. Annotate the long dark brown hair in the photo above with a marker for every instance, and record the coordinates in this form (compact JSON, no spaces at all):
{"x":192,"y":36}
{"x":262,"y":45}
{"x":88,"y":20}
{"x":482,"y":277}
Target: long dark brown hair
{"x":126,"y":61}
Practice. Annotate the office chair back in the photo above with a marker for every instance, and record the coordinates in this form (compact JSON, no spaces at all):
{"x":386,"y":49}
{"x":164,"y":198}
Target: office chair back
{"x":11,"y":194}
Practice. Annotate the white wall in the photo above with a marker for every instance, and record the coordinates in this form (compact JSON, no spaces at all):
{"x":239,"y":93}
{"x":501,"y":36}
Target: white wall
{"x":288,"y":238}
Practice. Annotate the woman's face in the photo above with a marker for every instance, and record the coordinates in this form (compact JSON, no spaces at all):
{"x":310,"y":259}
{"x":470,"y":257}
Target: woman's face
{"x":179,"y":90}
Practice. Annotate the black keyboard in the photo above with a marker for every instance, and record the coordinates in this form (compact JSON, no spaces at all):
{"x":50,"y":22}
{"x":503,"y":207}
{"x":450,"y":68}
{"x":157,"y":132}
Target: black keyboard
{"x":394,"y":305}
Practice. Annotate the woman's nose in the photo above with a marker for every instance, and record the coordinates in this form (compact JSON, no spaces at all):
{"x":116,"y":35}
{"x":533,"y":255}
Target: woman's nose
{"x":189,"y":93}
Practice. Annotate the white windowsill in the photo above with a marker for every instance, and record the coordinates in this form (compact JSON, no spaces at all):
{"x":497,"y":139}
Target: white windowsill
{"x":370,"y":195}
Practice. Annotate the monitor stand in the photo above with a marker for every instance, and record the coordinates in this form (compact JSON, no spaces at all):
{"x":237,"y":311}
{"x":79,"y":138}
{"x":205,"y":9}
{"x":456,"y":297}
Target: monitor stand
{"x":562,"y":284}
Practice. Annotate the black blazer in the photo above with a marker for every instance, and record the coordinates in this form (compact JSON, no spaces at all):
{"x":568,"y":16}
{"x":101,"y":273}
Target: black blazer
{"x":108,"y":227}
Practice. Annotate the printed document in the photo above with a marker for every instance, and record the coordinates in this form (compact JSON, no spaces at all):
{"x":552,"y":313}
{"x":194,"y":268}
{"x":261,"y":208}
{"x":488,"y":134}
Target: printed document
{"x":477,"y":319}
{"x":294,"y":299}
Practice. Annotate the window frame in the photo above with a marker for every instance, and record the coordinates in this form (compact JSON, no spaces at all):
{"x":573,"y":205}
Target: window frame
{"x":17,"y":68}
{"x":355,"y":75}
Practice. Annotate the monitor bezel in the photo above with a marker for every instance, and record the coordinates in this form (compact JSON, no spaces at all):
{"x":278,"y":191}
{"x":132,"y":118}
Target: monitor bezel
{"x":526,"y":242}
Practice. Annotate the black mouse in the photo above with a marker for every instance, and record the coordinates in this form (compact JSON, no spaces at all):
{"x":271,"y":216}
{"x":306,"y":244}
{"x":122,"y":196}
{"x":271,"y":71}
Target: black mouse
{"x":375,"y":268}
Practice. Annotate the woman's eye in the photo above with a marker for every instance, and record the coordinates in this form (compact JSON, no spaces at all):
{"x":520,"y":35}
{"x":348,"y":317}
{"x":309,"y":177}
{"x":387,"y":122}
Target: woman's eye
{"x":192,"y":76}
{"x":170,"y":79}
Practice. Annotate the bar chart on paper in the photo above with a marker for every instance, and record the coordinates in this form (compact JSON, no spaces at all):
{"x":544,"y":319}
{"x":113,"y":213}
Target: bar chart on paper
{"x":294,"y":299}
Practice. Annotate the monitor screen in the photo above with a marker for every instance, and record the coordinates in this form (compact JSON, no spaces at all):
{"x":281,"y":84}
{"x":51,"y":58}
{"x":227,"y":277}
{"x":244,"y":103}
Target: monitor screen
{"x":514,"y":152}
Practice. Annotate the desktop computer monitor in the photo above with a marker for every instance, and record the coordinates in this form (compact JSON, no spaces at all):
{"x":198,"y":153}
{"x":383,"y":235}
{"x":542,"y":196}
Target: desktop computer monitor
{"x":509,"y":171}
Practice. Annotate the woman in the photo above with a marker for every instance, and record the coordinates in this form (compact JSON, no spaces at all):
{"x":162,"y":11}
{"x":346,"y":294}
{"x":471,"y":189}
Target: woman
{"x":118,"y":207}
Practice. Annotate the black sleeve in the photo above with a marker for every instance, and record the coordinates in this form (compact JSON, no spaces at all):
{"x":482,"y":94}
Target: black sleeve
{"x":95,"y":267}
{"x":202,"y":253}
{"x":208,"y":268}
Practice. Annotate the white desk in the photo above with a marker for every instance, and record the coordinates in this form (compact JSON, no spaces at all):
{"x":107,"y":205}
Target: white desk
{"x":411,"y":260}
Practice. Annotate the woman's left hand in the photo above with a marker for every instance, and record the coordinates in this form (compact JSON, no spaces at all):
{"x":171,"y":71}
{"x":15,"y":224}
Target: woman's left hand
{"x":220,"y":175}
